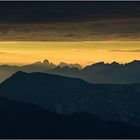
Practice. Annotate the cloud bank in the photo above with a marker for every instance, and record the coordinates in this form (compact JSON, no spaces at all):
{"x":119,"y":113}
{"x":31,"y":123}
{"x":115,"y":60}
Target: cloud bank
{"x":125,"y":50}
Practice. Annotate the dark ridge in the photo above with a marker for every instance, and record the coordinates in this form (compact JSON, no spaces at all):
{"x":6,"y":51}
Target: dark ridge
{"x":46,"y":76}
{"x":68,"y":95}
{"x":23,"y":121}
{"x":103,"y":73}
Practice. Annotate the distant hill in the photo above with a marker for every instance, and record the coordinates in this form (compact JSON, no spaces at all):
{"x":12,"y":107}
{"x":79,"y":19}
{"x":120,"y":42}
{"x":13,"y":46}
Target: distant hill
{"x":24,"y":120}
{"x":113,"y":73}
{"x":67,"y":71}
{"x":6,"y":70}
{"x":68,"y":95}
{"x":101,"y":72}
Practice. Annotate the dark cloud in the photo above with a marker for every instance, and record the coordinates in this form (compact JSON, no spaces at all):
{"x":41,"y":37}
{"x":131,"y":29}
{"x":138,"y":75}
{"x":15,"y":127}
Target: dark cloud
{"x":69,"y":21}
{"x":36,"y":11}
{"x":111,"y":29}
{"x":125,"y":50}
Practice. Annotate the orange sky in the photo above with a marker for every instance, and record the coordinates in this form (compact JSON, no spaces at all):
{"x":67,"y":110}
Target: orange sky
{"x":84,"y":52}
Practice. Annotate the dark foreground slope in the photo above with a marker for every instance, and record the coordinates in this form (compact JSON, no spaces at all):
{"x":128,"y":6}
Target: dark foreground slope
{"x":24,"y":120}
{"x":68,"y":95}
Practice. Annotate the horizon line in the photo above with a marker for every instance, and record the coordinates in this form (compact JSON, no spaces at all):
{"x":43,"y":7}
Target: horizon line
{"x":24,"y":64}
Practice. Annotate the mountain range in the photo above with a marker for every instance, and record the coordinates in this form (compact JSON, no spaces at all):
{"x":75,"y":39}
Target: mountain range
{"x":119,"y":102}
{"x":100,"y":72}
{"x":45,"y":66}
{"x":40,"y":105}
{"x":25,"y":120}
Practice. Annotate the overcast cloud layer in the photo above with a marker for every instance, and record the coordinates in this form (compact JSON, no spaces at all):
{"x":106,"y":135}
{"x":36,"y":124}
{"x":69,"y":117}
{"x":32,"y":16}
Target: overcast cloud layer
{"x":69,"y":21}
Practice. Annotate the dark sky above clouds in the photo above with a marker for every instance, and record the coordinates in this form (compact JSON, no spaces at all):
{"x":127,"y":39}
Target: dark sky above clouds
{"x":69,"y":21}
{"x":49,"y":11}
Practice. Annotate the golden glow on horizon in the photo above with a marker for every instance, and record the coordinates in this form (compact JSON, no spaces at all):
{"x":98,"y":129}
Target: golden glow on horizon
{"x":84,"y":53}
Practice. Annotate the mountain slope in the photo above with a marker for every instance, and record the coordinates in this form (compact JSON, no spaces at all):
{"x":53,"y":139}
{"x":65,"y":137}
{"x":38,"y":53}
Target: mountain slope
{"x":101,"y":72}
{"x":67,"y":95}
{"x":24,"y":120}
{"x":113,"y":73}
{"x":6,"y":70}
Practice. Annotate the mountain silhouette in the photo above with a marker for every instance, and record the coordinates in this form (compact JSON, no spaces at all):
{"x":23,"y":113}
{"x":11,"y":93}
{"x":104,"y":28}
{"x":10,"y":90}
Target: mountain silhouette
{"x":113,"y":73}
{"x":67,"y":71}
{"x":68,"y":95}
{"x":62,"y":64}
{"x":6,"y":70}
{"x":25,"y":120}
{"x":101,"y":72}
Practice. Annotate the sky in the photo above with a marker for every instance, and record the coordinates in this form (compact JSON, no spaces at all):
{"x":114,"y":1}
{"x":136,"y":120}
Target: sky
{"x":21,"y":53}
{"x":72,"y":32}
